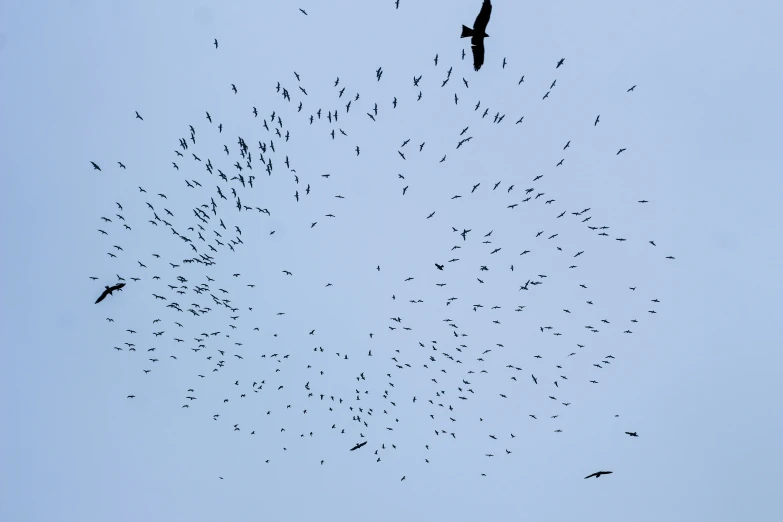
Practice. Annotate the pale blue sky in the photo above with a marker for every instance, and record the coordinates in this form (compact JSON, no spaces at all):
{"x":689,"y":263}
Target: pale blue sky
{"x":697,"y":380}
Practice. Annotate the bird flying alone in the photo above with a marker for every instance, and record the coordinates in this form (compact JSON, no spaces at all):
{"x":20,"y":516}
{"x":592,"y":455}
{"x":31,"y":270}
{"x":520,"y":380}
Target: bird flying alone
{"x":477,"y":34}
{"x":598,"y":474}
{"x":108,"y":291}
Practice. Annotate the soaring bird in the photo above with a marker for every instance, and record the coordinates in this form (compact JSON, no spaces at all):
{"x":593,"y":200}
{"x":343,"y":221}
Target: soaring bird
{"x":365,"y":442}
{"x":598,"y":474}
{"x":477,"y":34}
{"x":108,"y":291}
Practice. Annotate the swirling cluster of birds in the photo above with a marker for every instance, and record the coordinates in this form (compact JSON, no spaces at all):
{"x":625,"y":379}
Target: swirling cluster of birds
{"x":427,"y":382}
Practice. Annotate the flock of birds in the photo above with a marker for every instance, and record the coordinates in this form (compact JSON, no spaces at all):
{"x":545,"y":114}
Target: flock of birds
{"x":188,"y":287}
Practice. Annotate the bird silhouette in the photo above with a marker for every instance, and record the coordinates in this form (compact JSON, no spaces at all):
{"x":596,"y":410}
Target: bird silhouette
{"x":108,"y":291}
{"x":598,"y":474}
{"x":478,"y":33}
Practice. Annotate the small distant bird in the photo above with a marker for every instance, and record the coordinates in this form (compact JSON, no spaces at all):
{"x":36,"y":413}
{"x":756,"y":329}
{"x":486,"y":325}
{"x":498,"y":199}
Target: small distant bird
{"x":216,"y":43}
{"x":631,"y":433}
{"x":632,"y":88}
{"x":138,"y":116}
{"x":365,"y":442}
{"x":95,"y":166}
{"x":598,"y":474}
{"x":478,"y":33}
{"x":303,"y":11}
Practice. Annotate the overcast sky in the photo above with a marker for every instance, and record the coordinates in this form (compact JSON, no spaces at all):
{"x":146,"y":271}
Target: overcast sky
{"x":697,"y":380}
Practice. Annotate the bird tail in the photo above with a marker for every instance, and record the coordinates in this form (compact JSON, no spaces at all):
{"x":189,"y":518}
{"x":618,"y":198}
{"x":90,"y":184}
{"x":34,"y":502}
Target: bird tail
{"x":466,"y":31}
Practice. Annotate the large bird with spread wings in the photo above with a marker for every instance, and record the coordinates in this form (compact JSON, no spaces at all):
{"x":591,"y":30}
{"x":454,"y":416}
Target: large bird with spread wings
{"x":108,"y":291}
{"x":477,"y":34}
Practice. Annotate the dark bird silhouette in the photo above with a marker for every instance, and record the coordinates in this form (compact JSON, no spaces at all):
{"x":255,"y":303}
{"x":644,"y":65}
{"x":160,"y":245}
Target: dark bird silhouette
{"x":598,"y":474}
{"x":631,"y":433}
{"x":95,"y":166}
{"x":477,"y":34}
{"x":108,"y":291}
{"x":365,"y":442}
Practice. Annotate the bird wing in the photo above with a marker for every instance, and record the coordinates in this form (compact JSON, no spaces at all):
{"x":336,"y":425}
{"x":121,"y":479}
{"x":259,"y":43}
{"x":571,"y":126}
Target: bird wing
{"x":478,"y":52}
{"x":103,"y":296}
{"x":591,"y":475}
{"x":483,"y":18}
